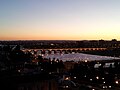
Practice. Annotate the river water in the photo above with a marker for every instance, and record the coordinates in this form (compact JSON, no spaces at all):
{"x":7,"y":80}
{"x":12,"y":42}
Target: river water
{"x":78,"y":57}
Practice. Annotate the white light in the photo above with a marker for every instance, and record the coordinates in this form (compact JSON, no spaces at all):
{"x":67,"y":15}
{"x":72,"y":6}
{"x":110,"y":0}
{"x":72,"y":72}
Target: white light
{"x":93,"y":89}
{"x":104,"y":86}
{"x":97,"y":77}
{"x":66,"y":86}
{"x":110,"y":86}
{"x":18,"y":70}
{"x":90,"y":79}
{"x":85,"y":60}
{"x":116,"y":82}
{"x":104,"y":82}
{"x":66,"y":78}
{"x":74,"y":77}
{"x":103,"y":78}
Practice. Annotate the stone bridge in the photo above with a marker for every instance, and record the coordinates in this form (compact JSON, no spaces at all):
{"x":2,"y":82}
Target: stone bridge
{"x":61,"y":50}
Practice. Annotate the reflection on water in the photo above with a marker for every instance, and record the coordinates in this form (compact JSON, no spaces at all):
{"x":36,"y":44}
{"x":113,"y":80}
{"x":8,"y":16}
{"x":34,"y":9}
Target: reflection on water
{"x":39,"y":85}
{"x":78,"y":57}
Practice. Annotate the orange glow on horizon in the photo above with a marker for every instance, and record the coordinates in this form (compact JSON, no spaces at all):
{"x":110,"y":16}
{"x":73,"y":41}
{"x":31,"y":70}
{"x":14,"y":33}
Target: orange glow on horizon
{"x":53,"y":38}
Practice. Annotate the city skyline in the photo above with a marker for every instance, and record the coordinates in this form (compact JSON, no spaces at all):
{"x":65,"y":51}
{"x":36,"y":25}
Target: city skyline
{"x":59,"y":19}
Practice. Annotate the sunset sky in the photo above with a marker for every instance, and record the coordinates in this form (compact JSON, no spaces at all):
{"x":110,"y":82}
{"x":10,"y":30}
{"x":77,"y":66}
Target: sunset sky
{"x":59,"y":19}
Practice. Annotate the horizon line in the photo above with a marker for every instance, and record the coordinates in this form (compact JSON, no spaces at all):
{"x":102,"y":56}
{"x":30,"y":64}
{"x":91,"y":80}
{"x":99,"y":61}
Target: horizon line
{"x":62,"y":40}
